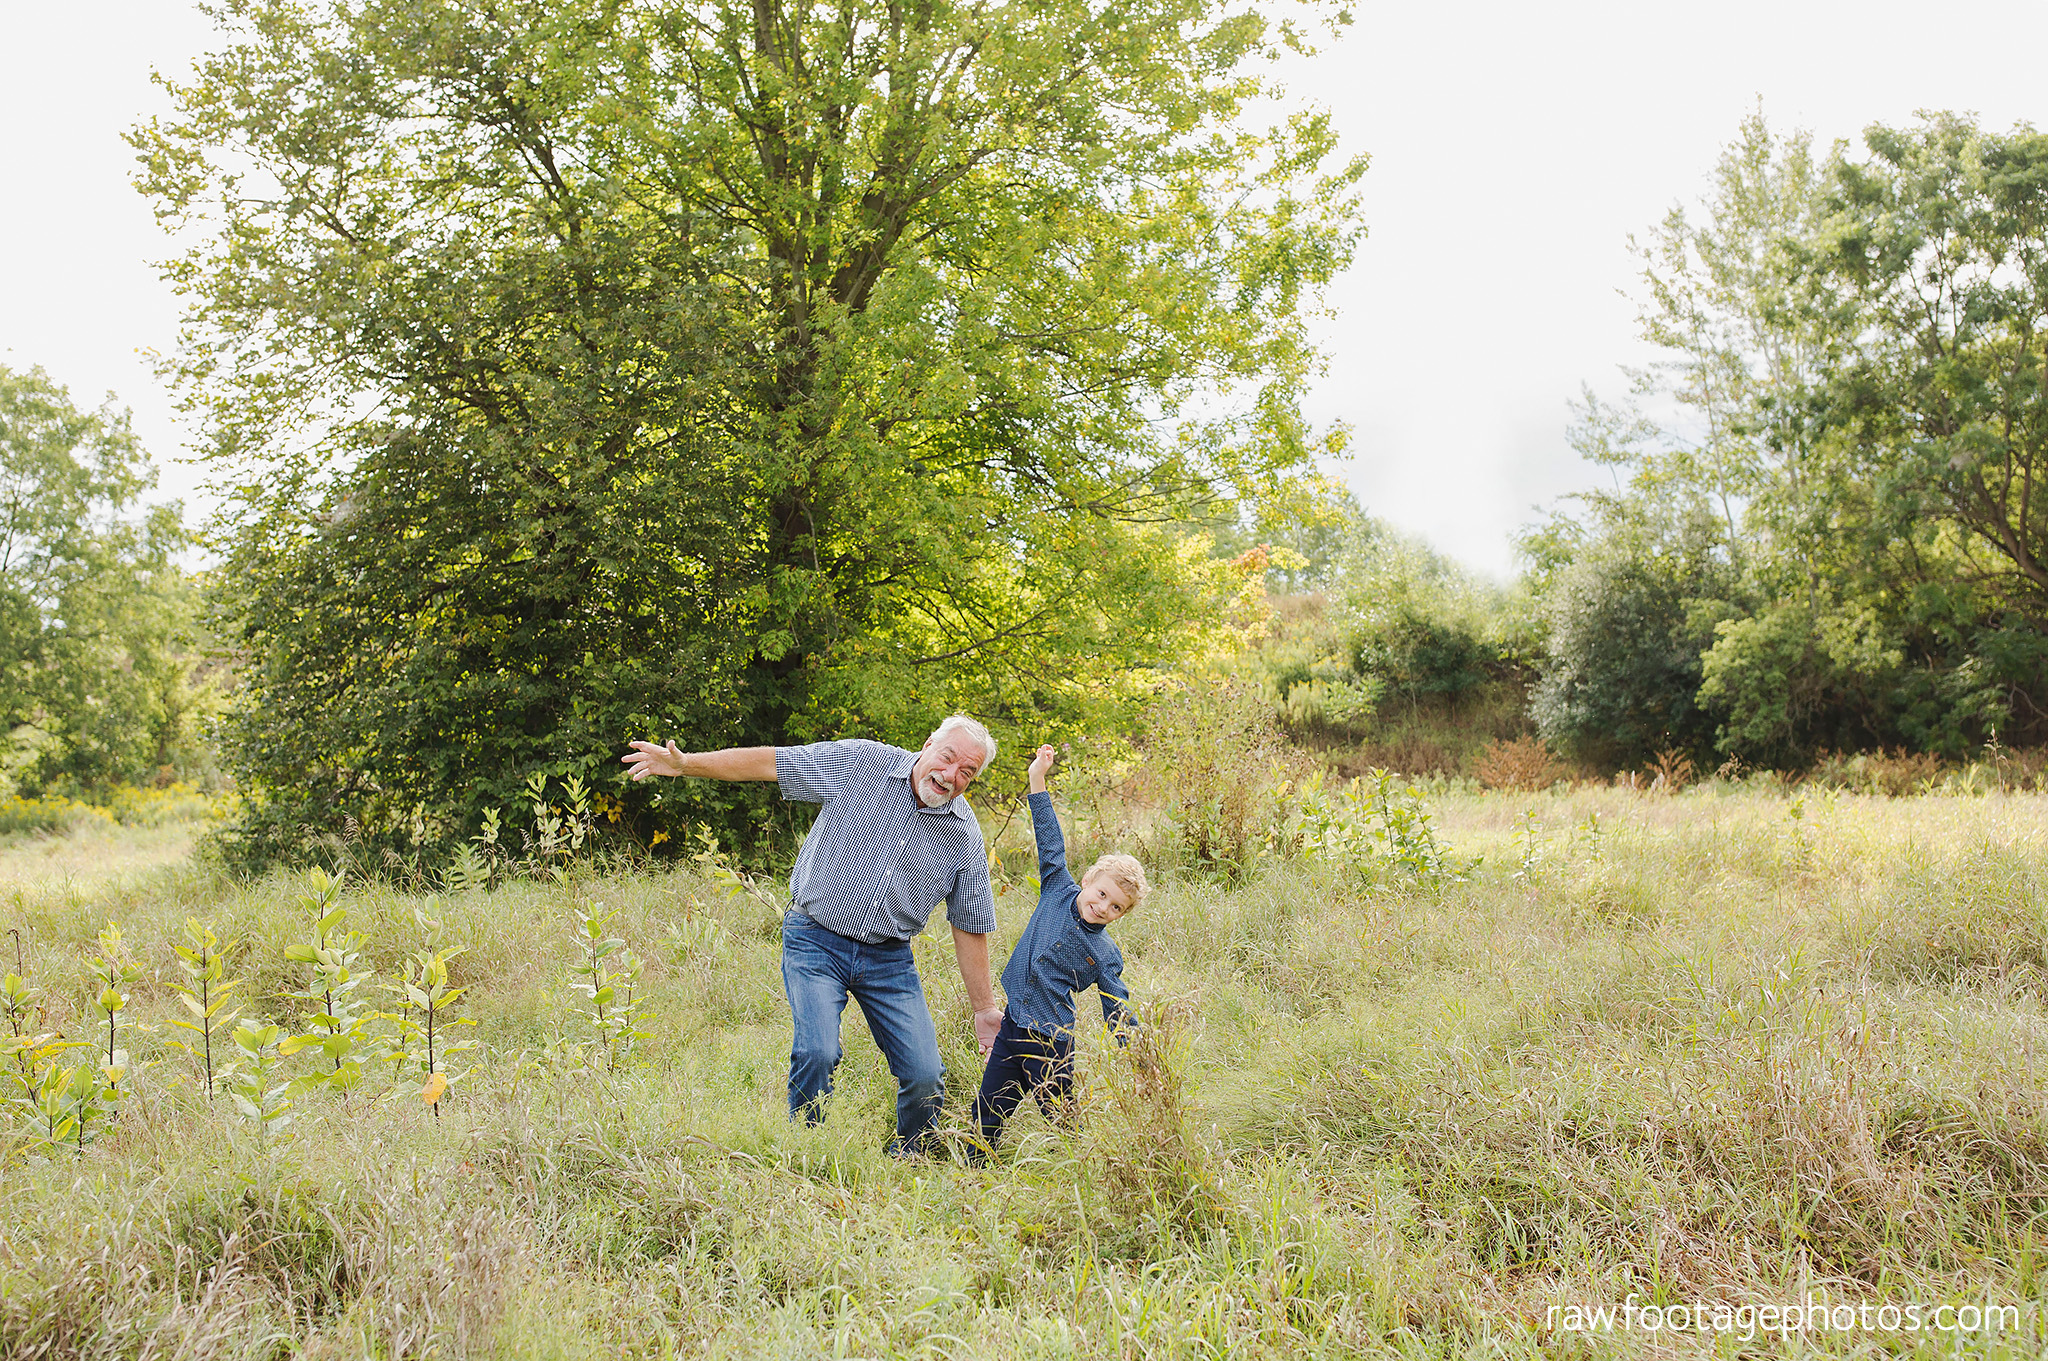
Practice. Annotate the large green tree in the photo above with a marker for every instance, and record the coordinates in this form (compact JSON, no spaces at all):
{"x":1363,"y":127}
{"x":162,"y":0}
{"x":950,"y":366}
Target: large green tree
{"x":732,"y":372}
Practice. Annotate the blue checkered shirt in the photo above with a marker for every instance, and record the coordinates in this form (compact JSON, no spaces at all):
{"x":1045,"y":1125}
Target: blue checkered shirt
{"x":875,"y":863}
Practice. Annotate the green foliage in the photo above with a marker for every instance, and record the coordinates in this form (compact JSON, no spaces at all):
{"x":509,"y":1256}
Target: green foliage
{"x":68,"y":1103}
{"x":425,"y":996}
{"x":1626,"y":627}
{"x":762,"y":897}
{"x":1398,"y":658}
{"x":679,"y":398}
{"x":1353,"y":1096}
{"x":257,"y":1084}
{"x":208,"y":996}
{"x":30,"y":1055}
{"x":559,"y":830}
{"x":1938,"y":247}
{"x":339,"y":1025}
{"x":1837,"y":545}
{"x":99,"y":633}
{"x":1217,"y":760}
{"x":114,"y":971}
{"x":1374,"y":826}
{"x":607,"y":974}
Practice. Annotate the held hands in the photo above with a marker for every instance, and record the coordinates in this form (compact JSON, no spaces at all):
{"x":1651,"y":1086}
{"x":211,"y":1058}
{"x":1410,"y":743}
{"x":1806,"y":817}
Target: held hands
{"x":648,"y":759}
{"x":1040,"y":764}
{"x":986,"y":1024}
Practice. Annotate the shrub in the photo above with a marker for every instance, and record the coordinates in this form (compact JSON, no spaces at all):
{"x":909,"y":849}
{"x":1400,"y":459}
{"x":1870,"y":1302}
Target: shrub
{"x":1626,"y":634}
{"x":1524,"y":763}
{"x":1215,"y":757}
{"x":1895,"y":775}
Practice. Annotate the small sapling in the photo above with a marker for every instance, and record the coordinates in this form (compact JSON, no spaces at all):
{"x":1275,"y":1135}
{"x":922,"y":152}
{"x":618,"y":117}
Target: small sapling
{"x":338,"y":1026}
{"x":425,"y":998}
{"x":28,"y":1050}
{"x":260,"y":1092}
{"x":208,"y":995}
{"x":115,"y":971}
{"x":607,"y":975}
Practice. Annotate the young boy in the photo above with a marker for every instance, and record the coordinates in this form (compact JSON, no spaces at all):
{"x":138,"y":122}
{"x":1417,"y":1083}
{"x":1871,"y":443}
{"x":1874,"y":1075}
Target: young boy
{"x":1064,"y":950}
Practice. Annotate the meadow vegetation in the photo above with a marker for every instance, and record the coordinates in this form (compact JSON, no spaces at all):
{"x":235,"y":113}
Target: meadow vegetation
{"x":1418,"y":1067}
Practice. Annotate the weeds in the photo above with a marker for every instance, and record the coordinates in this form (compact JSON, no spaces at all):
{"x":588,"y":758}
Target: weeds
{"x":1894,"y":775}
{"x":559,"y":829}
{"x":115,"y":971}
{"x":720,"y":868}
{"x":260,"y":1090}
{"x":1671,"y":771}
{"x":208,"y":994}
{"x":1374,"y":1119}
{"x":607,"y":973}
{"x":1217,"y":760}
{"x":1374,"y":826}
{"x":1523,"y":764}
{"x":425,"y":997}
{"x":340,"y":1027}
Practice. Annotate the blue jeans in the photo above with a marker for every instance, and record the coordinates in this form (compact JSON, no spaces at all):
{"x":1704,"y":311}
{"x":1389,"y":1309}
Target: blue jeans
{"x":820,"y":970}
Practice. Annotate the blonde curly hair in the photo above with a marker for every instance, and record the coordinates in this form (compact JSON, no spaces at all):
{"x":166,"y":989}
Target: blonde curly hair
{"x":1126,"y":873}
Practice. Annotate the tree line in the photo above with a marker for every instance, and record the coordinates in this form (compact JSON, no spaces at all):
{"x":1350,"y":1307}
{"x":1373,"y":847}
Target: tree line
{"x":577,"y":371}
{"x":1828,"y":524}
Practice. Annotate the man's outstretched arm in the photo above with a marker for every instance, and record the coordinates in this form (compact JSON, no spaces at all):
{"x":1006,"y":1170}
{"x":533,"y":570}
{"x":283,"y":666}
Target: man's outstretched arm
{"x":648,"y":759}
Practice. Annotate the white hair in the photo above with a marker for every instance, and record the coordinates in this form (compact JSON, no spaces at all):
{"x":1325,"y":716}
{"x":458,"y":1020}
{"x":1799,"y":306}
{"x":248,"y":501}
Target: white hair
{"x":961,"y":723}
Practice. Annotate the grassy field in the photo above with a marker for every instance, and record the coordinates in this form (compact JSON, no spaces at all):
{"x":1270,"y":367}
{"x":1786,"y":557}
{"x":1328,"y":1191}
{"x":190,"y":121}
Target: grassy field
{"x":1734,"y":1048}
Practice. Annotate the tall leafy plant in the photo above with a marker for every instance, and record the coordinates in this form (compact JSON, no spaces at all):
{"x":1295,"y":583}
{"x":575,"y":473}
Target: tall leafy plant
{"x":425,"y":1042}
{"x":340,"y":1022}
{"x":209,"y":997}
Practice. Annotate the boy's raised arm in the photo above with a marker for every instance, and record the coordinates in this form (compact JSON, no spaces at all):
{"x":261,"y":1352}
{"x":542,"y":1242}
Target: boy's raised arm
{"x":1045,"y":823}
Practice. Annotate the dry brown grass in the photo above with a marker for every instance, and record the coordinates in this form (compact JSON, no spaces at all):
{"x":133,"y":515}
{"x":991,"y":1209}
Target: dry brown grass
{"x":1669,"y":772}
{"x":1895,"y":774}
{"x":1522,"y":763}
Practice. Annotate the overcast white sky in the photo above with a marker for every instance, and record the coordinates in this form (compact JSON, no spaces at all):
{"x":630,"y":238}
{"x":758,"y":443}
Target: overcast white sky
{"x":1514,"y":148}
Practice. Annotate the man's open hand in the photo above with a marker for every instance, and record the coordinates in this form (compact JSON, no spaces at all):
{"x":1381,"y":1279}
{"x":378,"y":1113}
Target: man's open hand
{"x":648,"y":760}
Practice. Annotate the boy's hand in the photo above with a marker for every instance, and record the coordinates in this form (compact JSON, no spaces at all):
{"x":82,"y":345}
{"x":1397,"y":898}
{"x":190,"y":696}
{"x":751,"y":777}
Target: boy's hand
{"x":1040,"y":764}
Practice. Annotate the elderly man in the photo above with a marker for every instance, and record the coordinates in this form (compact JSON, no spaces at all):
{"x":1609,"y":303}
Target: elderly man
{"x":894,"y":838}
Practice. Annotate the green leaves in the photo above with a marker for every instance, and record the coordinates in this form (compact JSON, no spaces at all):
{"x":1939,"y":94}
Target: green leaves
{"x":607,"y":973}
{"x":342,"y":1024}
{"x":425,"y":996}
{"x":98,"y":626}
{"x":737,"y":374}
{"x":259,"y":1091}
{"x":1839,"y":548}
{"x":209,"y":995}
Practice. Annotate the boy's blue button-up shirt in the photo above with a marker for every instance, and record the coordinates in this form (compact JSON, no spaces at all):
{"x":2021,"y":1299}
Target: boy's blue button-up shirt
{"x":1059,"y":953}
{"x":876,"y":863}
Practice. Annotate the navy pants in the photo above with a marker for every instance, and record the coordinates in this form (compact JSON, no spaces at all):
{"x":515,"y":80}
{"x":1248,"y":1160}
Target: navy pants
{"x":1035,"y":1061}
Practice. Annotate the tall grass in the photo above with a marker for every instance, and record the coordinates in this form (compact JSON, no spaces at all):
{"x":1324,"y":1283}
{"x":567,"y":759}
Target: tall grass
{"x":1725,"y":1045}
